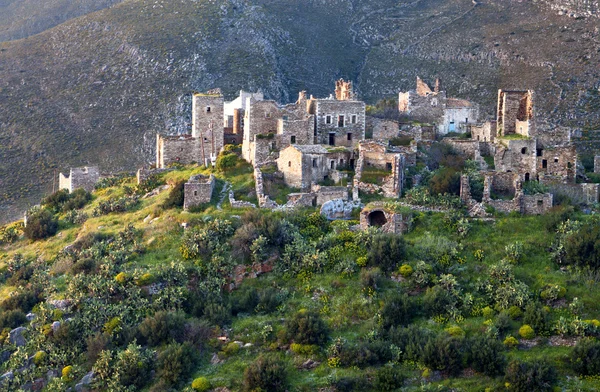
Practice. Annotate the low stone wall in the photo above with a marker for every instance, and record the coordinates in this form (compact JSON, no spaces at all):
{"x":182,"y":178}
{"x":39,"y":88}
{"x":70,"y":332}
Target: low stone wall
{"x":264,"y":201}
{"x":327,"y":193}
{"x":301,"y":200}
{"x":80,"y":177}
{"x":469,"y":149}
{"x":144,"y":173}
{"x":238,"y":203}
{"x":578,"y":193}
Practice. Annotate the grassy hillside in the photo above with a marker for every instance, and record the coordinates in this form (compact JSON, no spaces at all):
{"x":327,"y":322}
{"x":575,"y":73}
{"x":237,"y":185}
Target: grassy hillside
{"x":96,"y":89}
{"x":141,"y":300}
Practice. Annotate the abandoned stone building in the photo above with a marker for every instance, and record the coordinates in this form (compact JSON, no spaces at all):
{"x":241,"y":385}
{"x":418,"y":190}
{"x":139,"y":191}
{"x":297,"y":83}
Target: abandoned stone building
{"x":447,"y":114}
{"x":207,"y":137}
{"x":385,"y":218}
{"x":376,"y":155}
{"x":79,"y":177}
{"x":198,"y":190}
{"x":305,"y":165}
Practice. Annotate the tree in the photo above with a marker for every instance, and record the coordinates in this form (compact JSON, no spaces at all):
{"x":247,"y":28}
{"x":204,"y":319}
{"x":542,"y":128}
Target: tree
{"x":226,"y":161}
{"x":582,"y":247}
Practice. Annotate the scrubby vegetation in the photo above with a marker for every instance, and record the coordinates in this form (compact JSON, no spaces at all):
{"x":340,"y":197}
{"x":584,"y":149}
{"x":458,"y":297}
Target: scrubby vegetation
{"x":260,"y":300}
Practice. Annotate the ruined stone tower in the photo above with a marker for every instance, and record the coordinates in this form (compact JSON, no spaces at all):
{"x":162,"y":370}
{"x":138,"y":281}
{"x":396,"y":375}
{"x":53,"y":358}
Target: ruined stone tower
{"x":515,"y":113}
{"x":207,"y":123}
{"x":343,"y":90}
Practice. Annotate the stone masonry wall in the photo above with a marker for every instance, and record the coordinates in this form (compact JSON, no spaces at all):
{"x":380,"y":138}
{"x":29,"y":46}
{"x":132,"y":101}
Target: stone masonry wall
{"x":469,"y":149}
{"x":80,"y":177}
{"x":290,"y":164}
{"x":558,"y":164}
{"x":178,"y":149}
{"x":382,"y":129}
{"x":207,"y":123}
{"x":198,"y":190}
{"x":585,"y":194}
{"x":517,"y":156}
{"x":347,"y":133}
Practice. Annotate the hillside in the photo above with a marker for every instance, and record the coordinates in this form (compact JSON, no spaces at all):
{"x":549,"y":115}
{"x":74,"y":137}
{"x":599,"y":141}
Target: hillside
{"x":23,"y":18}
{"x":96,"y":89}
{"x":137,"y":291}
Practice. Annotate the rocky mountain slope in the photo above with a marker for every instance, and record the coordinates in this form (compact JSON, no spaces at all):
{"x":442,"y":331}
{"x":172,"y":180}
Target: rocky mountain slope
{"x":23,"y":18}
{"x":96,"y":89}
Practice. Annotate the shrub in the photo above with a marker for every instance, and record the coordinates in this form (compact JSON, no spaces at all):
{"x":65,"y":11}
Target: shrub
{"x":526,"y":332}
{"x":40,"y":225}
{"x":231,"y":349}
{"x":39,"y":357}
{"x":510,"y":342}
{"x":226,"y":161}
{"x":515,"y":312}
{"x":444,"y":353}
{"x":486,"y":356}
{"x":445,"y":181}
{"x":217,"y":314}
{"x":95,"y":344}
{"x":176,"y":196}
{"x":398,"y":310}
{"x":552,"y":292}
{"x":537,"y":317}
{"x":306,"y":327}
{"x":122,"y":278}
{"x":201,"y":384}
{"x":585,"y":357}
{"x":405,"y":270}
{"x":162,"y":327}
{"x":133,"y":366}
{"x":244,"y":300}
{"x":487,"y":312}
{"x":387,"y":250}
{"x":455,"y":330}
{"x":265,"y":374}
{"x":67,"y":373}
{"x":175,"y":363}
{"x":387,"y":379}
{"x":145,"y":280}
{"x":526,"y":377}
{"x":370,"y":278}
{"x":304,"y":349}
{"x":582,"y":248}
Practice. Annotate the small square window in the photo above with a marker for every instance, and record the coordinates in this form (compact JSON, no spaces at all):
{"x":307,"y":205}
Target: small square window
{"x":208,"y":109}
{"x":555,"y":160}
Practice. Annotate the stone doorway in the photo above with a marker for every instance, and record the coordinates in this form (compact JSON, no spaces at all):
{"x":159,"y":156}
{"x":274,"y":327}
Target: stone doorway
{"x":377,"y":218}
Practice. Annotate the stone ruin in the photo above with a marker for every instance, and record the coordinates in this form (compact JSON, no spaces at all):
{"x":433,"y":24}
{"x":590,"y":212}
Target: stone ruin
{"x":198,"y":190}
{"x":385,"y":218}
{"x":79,"y":177}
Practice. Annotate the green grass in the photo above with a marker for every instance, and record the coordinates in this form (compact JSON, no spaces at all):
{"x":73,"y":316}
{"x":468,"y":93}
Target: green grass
{"x":374,"y":175}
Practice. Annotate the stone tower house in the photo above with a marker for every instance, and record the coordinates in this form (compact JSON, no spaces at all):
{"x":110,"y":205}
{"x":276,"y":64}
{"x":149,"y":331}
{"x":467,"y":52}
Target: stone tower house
{"x":207,"y":124}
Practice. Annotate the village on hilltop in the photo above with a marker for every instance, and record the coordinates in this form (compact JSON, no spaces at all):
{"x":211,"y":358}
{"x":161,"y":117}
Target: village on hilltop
{"x":320,"y":147}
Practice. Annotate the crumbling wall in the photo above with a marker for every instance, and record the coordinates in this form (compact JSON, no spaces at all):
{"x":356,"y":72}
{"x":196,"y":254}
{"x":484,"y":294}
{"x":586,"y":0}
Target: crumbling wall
{"x":198,"y":190}
{"x":515,"y":113}
{"x":144,"y":173}
{"x":182,"y":149}
{"x":517,"y":156}
{"x":290,"y":164}
{"x":326,"y":193}
{"x":469,"y":149}
{"x":485,"y":132}
{"x":377,"y":215}
{"x":583,"y":194}
{"x":382,"y":129}
{"x":261,"y":117}
{"x":536,"y":204}
{"x":80,"y":177}
{"x":344,"y":90}
{"x":558,"y":164}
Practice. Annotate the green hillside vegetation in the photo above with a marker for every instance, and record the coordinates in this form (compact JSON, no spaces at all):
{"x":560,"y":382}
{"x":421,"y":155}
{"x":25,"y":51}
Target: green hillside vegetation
{"x":109,"y":80}
{"x":510,"y":303}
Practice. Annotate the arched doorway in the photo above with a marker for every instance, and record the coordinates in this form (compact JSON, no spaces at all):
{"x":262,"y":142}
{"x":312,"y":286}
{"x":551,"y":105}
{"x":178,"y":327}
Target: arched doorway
{"x":377,"y":218}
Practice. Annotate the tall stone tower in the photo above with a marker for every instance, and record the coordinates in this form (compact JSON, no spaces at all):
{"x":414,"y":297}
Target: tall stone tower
{"x":207,"y":124}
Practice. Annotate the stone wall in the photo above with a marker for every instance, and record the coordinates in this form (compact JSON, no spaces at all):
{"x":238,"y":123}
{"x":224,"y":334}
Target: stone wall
{"x":517,"y":156}
{"x":290,"y":164}
{"x":458,"y":118}
{"x":327,"y":193}
{"x":536,"y":204}
{"x":584,"y":194}
{"x":144,"y":173}
{"x":515,"y":113}
{"x":262,"y":118}
{"x":207,"y":122}
{"x":558,"y":164}
{"x":182,"y":149}
{"x":264,"y":201}
{"x":198,"y":190}
{"x":469,"y":149}
{"x":388,"y":221}
{"x":382,"y":129}
{"x":485,"y":132}
{"x":79,"y":177}
{"x":339,"y":123}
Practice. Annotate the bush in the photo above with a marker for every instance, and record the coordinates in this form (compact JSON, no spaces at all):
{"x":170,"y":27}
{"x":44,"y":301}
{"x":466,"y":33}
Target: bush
{"x":444,"y":353}
{"x":398,"y":310}
{"x":244,"y":300}
{"x":582,"y":248}
{"x":67,"y":373}
{"x":304,"y":349}
{"x":526,"y":332}
{"x":510,"y":342}
{"x":201,"y":384}
{"x":537,"y":317}
{"x":387,"y":251}
{"x":387,"y":379}
{"x":265,"y":374}
{"x":515,"y":312}
{"x":406,"y":270}
{"x":455,"y":330}
{"x":306,"y":327}
{"x":39,"y":357}
{"x":527,"y":377}
{"x":486,"y":356}
{"x":445,"y":181}
{"x":162,"y":327}
{"x":370,"y":278}
{"x":176,"y":196}
{"x":175,"y":363}
{"x":585,"y":357}
{"x":41,"y":225}
{"x":226,"y":161}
